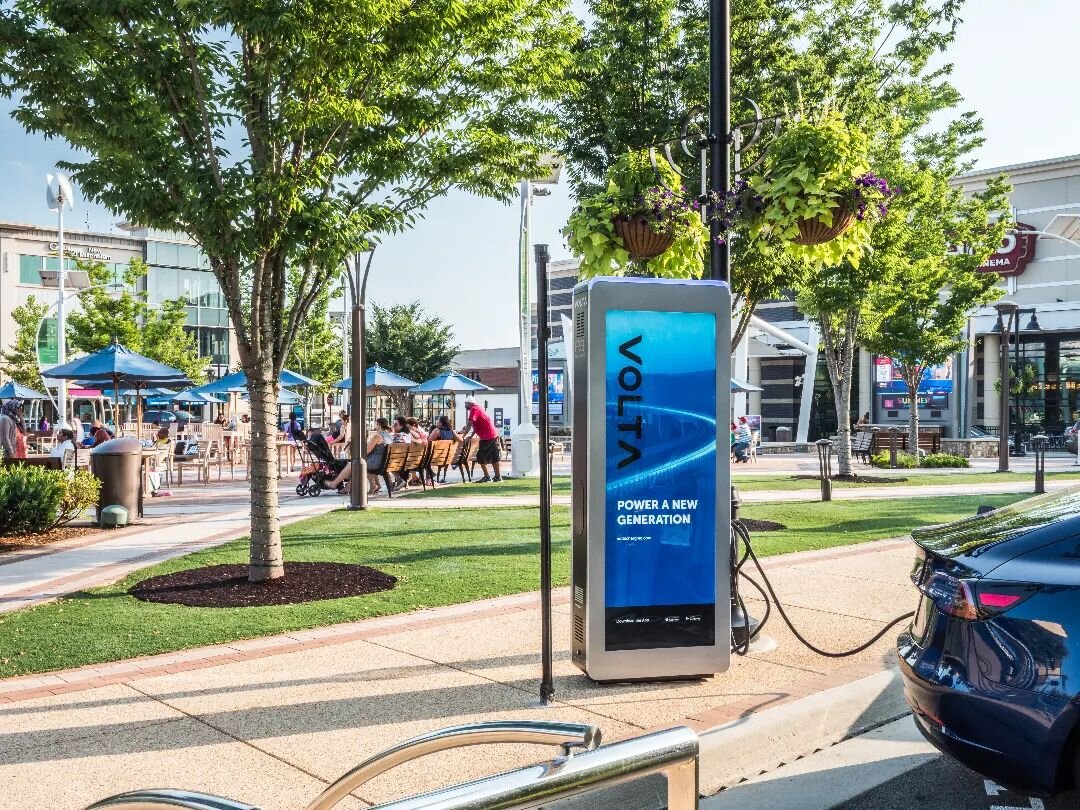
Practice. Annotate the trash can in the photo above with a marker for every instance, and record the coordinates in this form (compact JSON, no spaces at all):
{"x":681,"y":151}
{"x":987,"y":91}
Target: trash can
{"x":117,"y":463}
{"x":783,"y":434}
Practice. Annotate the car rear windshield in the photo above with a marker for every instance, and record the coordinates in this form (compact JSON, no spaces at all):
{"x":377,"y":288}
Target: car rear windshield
{"x":976,"y":534}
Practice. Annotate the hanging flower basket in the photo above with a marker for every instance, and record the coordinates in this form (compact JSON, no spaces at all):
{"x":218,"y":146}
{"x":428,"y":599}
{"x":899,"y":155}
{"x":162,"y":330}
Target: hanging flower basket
{"x":815,"y":232}
{"x":641,"y":241}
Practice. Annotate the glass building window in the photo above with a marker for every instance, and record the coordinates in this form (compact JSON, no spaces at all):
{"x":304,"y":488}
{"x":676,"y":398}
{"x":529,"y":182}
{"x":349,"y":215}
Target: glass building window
{"x":29,"y":269}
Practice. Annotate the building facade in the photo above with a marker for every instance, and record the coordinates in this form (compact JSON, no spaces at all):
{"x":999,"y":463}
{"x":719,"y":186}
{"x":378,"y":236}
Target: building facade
{"x":176,"y":269}
{"x":1038,"y":272}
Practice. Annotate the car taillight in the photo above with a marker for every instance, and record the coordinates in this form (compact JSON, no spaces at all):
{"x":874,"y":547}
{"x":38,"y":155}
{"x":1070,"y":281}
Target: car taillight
{"x":975,"y":600}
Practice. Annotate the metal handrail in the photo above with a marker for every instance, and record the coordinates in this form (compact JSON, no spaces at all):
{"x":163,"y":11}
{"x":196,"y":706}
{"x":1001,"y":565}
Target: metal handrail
{"x":567,"y":735}
{"x":169,"y":800}
{"x":672,"y":752}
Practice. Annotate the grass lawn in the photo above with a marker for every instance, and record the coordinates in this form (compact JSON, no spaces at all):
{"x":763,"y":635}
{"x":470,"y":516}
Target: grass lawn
{"x":560,"y":485}
{"x":439,"y":557}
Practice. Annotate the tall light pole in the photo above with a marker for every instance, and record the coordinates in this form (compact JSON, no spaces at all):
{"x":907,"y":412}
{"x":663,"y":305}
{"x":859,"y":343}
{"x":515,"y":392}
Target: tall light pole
{"x":358,"y":491}
{"x":523,"y":432}
{"x":1007,"y":312}
{"x":719,"y":130}
{"x":58,"y":193}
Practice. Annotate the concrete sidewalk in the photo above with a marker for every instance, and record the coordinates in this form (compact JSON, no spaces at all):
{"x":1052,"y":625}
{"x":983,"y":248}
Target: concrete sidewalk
{"x":271,"y":721}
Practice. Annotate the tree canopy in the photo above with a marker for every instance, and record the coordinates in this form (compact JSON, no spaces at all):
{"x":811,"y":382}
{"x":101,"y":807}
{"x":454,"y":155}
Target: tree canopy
{"x":116,"y":309}
{"x":286,"y":135}
{"x":407,"y":341}
{"x":20,"y":361}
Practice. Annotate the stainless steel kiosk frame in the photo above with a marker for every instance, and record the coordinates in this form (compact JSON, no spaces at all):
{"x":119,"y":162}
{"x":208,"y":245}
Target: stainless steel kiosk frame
{"x":607,"y":641}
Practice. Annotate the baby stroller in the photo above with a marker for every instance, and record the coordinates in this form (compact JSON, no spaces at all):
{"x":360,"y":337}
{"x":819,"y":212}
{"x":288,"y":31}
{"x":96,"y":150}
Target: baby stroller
{"x":318,"y":463}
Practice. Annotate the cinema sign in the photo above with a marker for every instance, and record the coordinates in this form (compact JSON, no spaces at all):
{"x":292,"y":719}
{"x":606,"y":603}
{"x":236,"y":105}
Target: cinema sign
{"x":1017,"y":249}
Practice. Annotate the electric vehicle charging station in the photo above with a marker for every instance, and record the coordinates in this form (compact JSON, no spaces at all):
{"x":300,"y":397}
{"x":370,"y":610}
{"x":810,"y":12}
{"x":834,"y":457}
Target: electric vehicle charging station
{"x":652,"y":483}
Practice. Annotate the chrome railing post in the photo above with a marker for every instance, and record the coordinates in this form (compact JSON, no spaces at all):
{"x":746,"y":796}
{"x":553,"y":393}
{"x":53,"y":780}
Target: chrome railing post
{"x":169,"y":800}
{"x":568,"y":735}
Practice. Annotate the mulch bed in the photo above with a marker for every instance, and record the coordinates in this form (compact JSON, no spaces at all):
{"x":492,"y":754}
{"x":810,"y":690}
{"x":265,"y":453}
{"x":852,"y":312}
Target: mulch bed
{"x":228,"y":586}
{"x":15,"y":542}
{"x":862,"y":479}
{"x":762,"y":525}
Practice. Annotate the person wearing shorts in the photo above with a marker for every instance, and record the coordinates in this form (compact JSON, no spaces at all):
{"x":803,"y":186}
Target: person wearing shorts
{"x":489,"y":452}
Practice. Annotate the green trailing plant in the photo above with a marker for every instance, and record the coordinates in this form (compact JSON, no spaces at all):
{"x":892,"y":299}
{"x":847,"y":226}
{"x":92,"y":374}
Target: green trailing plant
{"x":635,"y":186}
{"x":819,"y":169}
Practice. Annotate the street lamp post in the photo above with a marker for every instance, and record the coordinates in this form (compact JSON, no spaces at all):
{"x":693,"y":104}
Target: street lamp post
{"x":58,"y":193}
{"x":1007,"y":313}
{"x":358,"y":491}
{"x":720,"y":129}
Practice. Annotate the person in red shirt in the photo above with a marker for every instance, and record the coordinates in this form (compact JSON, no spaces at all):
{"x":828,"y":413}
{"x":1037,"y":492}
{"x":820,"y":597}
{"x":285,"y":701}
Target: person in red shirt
{"x":99,"y":432}
{"x":479,"y":423}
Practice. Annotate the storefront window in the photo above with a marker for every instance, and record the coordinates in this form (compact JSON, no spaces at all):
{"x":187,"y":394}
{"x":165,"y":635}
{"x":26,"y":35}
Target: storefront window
{"x":29,"y":269}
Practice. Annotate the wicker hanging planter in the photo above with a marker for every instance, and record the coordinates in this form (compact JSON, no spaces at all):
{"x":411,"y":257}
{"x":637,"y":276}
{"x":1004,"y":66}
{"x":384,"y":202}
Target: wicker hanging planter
{"x":639,"y":238}
{"x":816,"y":232}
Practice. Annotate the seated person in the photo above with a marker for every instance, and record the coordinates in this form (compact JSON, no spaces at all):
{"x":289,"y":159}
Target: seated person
{"x":65,"y":440}
{"x":98,"y":432}
{"x":743,"y":437}
{"x":344,"y":438}
{"x":443,"y":432}
{"x":161,"y":445}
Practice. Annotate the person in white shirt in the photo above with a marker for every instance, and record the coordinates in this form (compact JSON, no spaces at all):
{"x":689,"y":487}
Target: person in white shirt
{"x":65,"y":440}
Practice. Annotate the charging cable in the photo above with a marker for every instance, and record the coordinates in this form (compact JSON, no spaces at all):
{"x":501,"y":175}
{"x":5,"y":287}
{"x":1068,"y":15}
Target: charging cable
{"x":741,"y":536}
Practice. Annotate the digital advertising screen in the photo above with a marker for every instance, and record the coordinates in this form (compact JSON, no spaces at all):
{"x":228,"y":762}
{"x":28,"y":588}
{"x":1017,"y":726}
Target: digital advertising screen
{"x":888,"y":379}
{"x":556,"y":391}
{"x":660,"y":381}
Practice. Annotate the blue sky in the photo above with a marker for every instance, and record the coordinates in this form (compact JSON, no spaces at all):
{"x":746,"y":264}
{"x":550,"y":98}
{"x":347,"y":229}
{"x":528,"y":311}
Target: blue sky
{"x":1014,"y":65}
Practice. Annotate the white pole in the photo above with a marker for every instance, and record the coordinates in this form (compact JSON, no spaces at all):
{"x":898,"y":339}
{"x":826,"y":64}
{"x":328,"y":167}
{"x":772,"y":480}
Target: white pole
{"x":525,"y":359}
{"x":61,"y":354}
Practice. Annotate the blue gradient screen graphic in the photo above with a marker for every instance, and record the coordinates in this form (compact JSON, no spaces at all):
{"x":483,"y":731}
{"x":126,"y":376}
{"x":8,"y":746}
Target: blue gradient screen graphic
{"x":660,"y":499}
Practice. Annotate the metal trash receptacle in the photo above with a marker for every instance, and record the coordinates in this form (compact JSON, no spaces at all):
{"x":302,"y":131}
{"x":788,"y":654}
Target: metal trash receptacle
{"x":783,"y":434}
{"x":117,"y":463}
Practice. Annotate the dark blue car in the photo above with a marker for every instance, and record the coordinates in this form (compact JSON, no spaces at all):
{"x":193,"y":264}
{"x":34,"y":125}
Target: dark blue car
{"x":991,"y":662}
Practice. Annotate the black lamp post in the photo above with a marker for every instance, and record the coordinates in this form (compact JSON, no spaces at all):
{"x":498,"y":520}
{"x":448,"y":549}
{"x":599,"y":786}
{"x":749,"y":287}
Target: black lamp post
{"x":1031,"y":326}
{"x":1006,"y":324}
{"x":719,"y":128}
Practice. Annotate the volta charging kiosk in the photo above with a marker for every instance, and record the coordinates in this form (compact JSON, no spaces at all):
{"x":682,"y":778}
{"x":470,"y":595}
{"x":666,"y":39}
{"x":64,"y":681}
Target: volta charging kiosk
{"x":651,"y":497}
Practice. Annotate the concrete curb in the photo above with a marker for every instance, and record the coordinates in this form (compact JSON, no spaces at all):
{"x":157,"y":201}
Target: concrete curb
{"x":761,"y":742}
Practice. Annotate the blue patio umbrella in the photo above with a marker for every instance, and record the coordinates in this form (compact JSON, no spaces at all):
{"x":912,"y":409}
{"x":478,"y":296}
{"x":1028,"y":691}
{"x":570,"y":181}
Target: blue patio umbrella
{"x":193,"y":397}
{"x":449,"y":382}
{"x":237,"y":381}
{"x":119,"y":365}
{"x":378,"y":377}
{"x":285,"y":397}
{"x":12,"y":390}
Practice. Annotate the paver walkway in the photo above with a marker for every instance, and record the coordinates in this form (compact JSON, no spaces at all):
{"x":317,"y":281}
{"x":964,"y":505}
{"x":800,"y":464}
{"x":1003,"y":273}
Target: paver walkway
{"x":272,"y":721}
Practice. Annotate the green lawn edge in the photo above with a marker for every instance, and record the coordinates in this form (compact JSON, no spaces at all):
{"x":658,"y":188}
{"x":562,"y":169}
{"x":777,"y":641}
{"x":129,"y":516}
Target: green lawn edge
{"x":440,"y":557}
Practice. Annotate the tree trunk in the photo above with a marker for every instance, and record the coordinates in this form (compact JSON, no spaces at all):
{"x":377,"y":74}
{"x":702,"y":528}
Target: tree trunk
{"x":266,"y":557}
{"x":840,"y":360}
{"x":912,"y":377}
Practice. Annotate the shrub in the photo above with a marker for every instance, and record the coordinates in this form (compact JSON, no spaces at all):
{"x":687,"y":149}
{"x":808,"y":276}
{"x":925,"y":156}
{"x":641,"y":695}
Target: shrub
{"x":945,"y":460}
{"x":34,"y":499}
{"x":904,"y":461}
{"x":907,"y":461}
{"x":80,"y":492}
{"x":30,"y":498}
